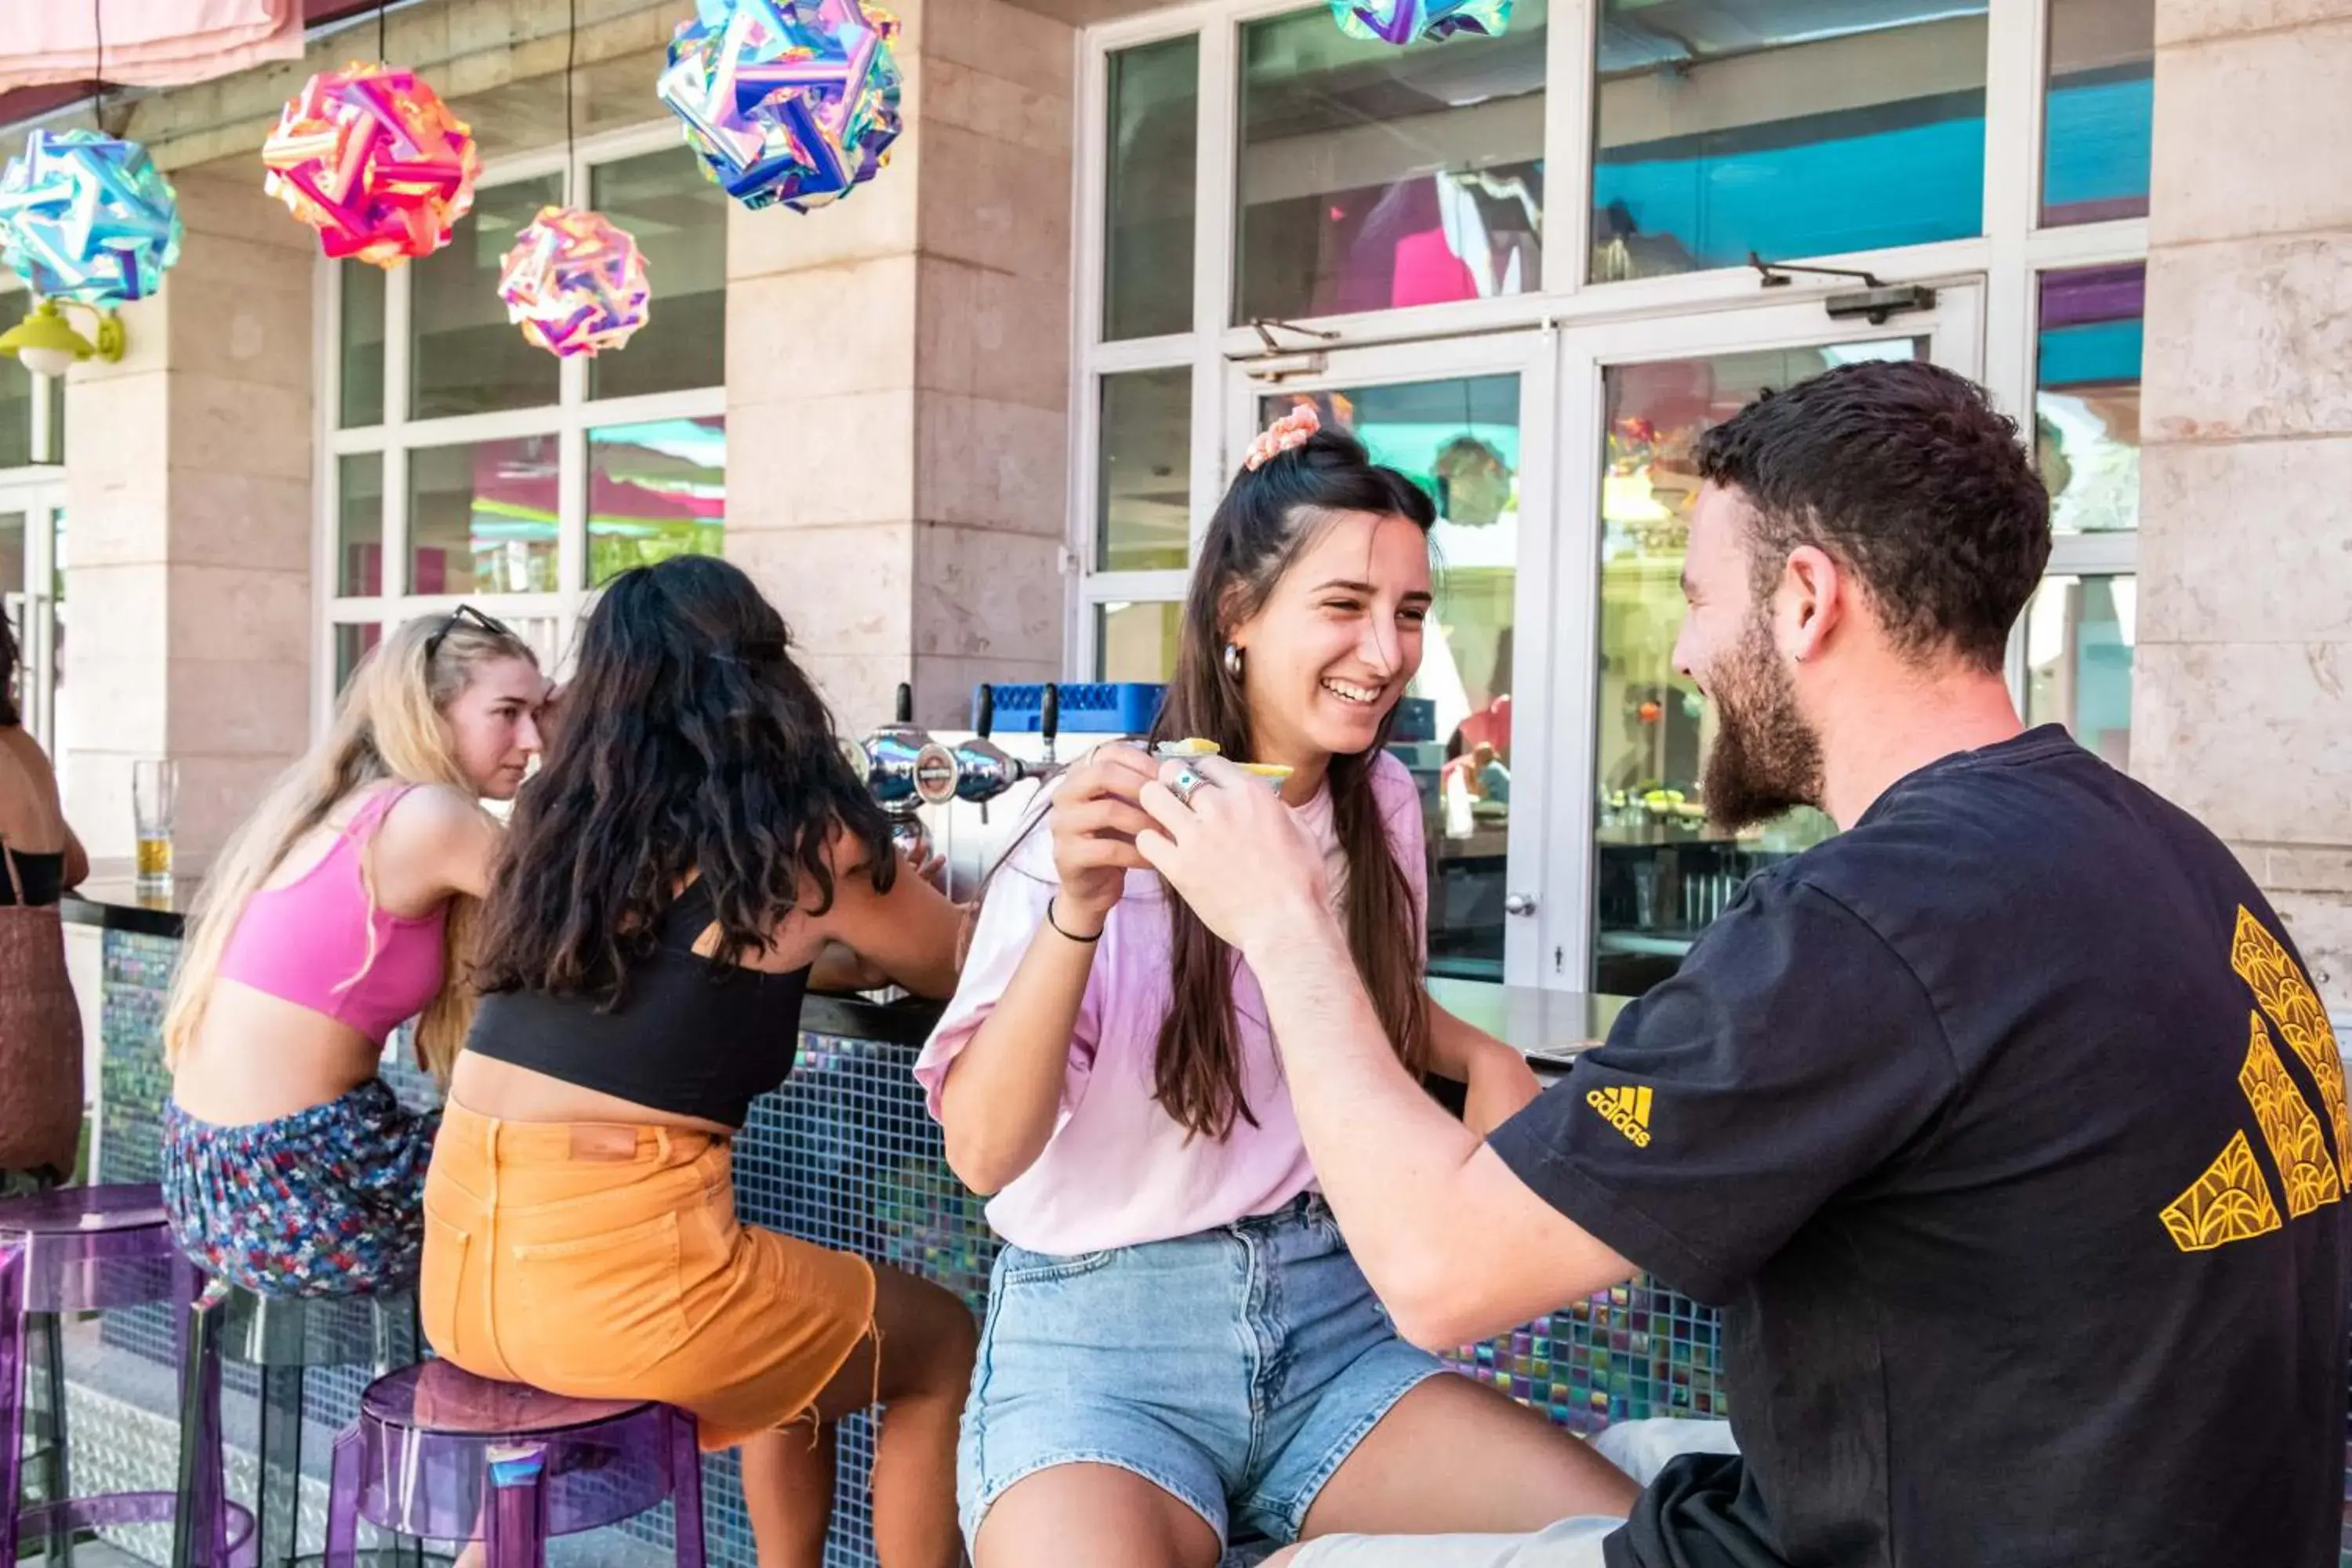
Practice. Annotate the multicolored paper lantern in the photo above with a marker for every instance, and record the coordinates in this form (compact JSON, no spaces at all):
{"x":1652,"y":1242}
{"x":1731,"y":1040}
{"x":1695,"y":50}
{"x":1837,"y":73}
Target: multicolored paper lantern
{"x":1400,"y":22}
{"x":373,"y":160}
{"x":787,"y":100}
{"x":575,"y":282}
{"x":88,"y":216}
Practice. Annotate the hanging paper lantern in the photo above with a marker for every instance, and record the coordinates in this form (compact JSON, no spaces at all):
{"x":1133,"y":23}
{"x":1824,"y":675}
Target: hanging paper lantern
{"x":575,"y":282}
{"x":88,"y":216}
{"x":1400,"y":22}
{"x":787,"y":100}
{"x":373,"y":160}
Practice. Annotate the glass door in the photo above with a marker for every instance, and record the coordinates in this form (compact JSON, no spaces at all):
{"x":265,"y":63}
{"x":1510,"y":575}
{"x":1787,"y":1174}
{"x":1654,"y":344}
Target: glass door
{"x":32,"y":595}
{"x":1456,"y":416}
{"x":1638,"y":870}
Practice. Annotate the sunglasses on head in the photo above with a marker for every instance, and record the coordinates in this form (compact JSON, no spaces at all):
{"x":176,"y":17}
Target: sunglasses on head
{"x":466,"y":614}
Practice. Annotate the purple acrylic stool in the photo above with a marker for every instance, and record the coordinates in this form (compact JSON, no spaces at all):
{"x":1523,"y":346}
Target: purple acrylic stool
{"x":85,"y":1249}
{"x":442,"y":1454}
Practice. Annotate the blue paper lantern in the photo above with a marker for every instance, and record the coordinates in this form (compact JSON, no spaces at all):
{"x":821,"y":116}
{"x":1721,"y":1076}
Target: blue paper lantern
{"x":88,"y":216}
{"x":787,"y":100}
{"x":1400,"y":22}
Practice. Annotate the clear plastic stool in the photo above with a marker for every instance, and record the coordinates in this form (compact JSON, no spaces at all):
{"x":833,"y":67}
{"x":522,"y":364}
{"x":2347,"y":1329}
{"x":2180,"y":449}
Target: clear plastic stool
{"x":88,"y":1249}
{"x":442,"y":1454}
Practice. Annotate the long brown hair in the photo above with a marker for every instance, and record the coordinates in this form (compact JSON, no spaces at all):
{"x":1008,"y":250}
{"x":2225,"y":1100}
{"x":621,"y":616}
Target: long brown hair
{"x":692,"y":745}
{"x":1266,"y":521}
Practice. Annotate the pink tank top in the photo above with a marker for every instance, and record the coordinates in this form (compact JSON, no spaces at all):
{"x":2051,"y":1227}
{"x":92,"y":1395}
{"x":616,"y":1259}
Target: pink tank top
{"x":303,"y":942}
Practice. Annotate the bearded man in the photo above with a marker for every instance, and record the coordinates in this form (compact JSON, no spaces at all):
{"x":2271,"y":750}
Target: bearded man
{"x":2005,"y":1127}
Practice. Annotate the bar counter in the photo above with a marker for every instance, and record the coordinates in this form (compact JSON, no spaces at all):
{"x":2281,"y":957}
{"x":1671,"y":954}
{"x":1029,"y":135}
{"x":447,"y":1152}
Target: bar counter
{"x":845,"y":1156}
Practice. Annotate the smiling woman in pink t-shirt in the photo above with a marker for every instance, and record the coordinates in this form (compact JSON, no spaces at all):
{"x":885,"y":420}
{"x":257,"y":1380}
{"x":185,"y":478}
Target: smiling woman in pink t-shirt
{"x":1179,"y":1349}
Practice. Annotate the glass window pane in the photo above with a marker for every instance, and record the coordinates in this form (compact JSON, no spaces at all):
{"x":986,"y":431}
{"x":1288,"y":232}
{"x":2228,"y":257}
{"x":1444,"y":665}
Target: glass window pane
{"x":465,"y":356}
{"x":1143,"y":504}
{"x":1374,"y":177}
{"x":481,"y":516}
{"x":1154,"y":132}
{"x":2096,"y":109}
{"x":359,"y":524}
{"x":679,"y":220}
{"x":1459,"y":440}
{"x":1137,"y":642}
{"x":2079,"y":636}
{"x":351,"y":644}
{"x":1664,"y":872}
{"x":1784,"y":127}
{"x":2086,"y":399}
{"x":361,"y":371}
{"x":654,"y":491}
{"x":16,"y":387}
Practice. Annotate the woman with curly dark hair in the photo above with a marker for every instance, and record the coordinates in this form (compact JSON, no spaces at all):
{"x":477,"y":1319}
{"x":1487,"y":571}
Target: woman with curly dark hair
{"x":693,"y":843}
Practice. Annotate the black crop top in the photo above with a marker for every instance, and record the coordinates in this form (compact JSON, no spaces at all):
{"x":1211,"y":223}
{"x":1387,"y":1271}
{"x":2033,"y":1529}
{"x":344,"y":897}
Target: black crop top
{"x":43,"y":875}
{"x":691,"y":1035}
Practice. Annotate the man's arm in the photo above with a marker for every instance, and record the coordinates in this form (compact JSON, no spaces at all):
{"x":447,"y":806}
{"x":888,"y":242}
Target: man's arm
{"x":1456,"y":1244}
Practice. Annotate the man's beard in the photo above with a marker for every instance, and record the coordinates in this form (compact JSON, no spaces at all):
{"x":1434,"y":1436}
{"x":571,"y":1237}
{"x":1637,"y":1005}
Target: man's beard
{"x":1765,"y":758}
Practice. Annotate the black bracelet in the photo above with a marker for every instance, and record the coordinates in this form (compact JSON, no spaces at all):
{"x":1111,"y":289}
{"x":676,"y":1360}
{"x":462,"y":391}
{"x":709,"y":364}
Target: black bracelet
{"x":1067,"y":935}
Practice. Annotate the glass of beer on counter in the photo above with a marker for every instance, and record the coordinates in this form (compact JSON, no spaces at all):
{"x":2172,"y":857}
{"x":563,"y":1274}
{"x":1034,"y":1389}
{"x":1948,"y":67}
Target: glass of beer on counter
{"x":154,"y":797}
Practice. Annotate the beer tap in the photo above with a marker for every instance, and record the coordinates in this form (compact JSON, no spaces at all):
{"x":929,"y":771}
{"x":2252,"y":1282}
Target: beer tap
{"x":907,"y":770}
{"x":983,"y":769}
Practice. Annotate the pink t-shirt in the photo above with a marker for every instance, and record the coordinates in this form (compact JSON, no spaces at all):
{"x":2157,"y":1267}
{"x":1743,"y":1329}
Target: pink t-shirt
{"x":1118,"y":1170}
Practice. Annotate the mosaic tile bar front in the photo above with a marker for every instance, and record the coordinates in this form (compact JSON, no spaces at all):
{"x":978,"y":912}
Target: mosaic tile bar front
{"x":844,"y":1156}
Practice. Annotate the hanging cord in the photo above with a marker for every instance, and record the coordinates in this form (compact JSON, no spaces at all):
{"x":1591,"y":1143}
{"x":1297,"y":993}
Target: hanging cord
{"x":383,"y":54}
{"x":571,"y":54}
{"x":97,"y":71}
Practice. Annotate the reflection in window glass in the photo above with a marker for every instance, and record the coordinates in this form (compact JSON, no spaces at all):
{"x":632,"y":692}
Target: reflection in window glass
{"x":2079,"y":635}
{"x":1788,"y":128}
{"x":481,"y":516}
{"x":1374,"y":177}
{"x":679,"y":220}
{"x":1459,"y":440}
{"x":352,"y":644}
{"x":1137,"y":642}
{"x":465,"y":357}
{"x":16,"y":387}
{"x":361,"y":369}
{"x":1154,"y":132}
{"x":654,"y":491}
{"x":2097,"y":106}
{"x":1144,"y":484}
{"x":2086,"y":397}
{"x":1663,"y":871}
{"x":359,"y":524}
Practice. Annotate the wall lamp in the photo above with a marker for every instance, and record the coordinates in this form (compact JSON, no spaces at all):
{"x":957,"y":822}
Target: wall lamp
{"x":48,"y":345}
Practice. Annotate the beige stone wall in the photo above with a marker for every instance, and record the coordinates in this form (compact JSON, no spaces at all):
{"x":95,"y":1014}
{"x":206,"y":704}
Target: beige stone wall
{"x":2245,"y":635}
{"x":189,"y":518}
{"x":898,"y":376}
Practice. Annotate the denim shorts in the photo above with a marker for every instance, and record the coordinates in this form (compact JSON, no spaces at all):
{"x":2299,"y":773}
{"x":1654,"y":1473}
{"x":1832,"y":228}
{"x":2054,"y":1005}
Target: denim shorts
{"x":1235,"y":1369}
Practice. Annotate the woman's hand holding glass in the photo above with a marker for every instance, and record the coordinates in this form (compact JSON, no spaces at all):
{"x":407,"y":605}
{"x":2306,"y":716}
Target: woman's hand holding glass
{"x":1095,"y":818}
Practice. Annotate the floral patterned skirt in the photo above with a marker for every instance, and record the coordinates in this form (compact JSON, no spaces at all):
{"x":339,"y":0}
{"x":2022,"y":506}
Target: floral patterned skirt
{"x":327,"y":1202}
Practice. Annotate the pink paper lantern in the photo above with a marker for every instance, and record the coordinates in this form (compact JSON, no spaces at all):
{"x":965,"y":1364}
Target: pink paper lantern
{"x":373,"y":160}
{"x":575,"y":282}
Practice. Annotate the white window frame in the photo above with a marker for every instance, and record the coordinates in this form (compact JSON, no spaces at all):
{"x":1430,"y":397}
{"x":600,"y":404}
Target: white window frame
{"x":2007,"y":259}
{"x":570,"y":419}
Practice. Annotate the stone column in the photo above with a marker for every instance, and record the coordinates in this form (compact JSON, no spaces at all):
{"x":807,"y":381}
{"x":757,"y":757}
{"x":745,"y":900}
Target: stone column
{"x":2246,"y":632}
{"x":898,"y":375}
{"x":188,"y":527}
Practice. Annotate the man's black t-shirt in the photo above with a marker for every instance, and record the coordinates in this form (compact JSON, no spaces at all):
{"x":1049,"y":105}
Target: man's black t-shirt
{"x":2007,"y":1132}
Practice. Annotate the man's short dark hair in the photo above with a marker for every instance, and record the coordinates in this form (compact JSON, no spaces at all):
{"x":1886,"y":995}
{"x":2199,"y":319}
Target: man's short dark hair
{"x":1905,"y":473}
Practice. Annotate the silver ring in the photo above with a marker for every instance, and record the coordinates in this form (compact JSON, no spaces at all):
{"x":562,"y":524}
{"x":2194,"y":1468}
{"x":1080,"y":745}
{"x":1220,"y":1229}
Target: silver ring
{"x":1184,"y":784}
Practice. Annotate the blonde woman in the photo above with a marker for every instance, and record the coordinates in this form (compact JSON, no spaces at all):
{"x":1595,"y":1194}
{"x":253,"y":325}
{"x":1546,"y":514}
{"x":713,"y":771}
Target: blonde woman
{"x":333,"y":916}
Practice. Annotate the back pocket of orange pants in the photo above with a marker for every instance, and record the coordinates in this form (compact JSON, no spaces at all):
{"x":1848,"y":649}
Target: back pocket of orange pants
{"x":443,"y":1276}
{"x":598,"y":1309}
